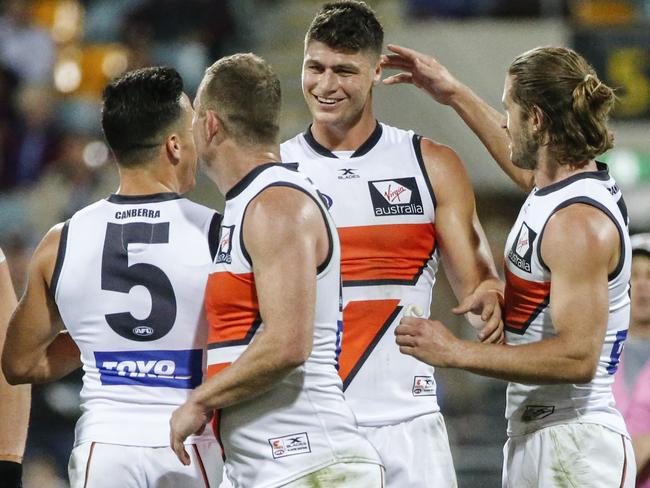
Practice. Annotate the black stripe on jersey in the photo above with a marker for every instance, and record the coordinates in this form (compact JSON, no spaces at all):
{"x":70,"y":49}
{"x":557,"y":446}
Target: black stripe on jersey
{"x":361,"y":150}
{"x":532,"y":317}
{"x":623,"y":209}
{"x":213,"y":234}
{"x":417,"y":147}
{"x":371,"y":346}
{"x":242,"y":184}
{"x":240,"y":342}
{"x":135,"y":199}
{"x":601,"y":174}
{"x":599,"y":206}
{"x":321,"y":267}
{"x":60,"y":256}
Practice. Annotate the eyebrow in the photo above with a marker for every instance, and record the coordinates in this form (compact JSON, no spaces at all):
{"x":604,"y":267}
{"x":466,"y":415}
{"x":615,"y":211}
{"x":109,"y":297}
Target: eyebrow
{"x":346,"y":66}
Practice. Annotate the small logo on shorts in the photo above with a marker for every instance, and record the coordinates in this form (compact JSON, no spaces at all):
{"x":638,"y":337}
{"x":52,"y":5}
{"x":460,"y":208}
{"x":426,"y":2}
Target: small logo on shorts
{"x":537,"y":412}
{"x":225,"y":244}
{"x":290,"y":445}
{"x":424,"y":386}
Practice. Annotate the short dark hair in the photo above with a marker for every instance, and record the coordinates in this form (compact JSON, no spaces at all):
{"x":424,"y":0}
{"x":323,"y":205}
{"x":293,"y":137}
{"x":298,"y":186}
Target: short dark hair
{"x":348,"y":25}
{"x":575,"y":104}
{"x":137,"y":107}
{"x":246,"y":94}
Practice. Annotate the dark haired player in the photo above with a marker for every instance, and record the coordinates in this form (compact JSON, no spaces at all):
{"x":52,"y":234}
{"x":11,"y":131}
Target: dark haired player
{"x":126,"y":276}
{"x":402,"y":204}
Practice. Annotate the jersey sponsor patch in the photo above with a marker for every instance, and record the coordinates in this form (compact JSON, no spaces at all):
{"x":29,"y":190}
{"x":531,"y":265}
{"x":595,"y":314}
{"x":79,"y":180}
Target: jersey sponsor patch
{"x":290,"y":445}
{"x":399,"y":196}
{"x":522,"y":249}
{"x":424,"y":386}
{"x":537,"y":412}
{"x":172,"y":369}
{"x":225,"y":244}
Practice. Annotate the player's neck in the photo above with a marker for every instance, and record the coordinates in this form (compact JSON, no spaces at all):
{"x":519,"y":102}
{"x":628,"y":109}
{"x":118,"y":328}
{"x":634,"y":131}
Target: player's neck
{"x":145,"y":181}
{"x":236,"y":161}
{"x":549,"y":171}
{"x":344,"y":137}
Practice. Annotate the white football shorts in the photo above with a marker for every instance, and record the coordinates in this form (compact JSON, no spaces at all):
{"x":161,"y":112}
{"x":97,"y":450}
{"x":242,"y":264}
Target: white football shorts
{"x":573,"y":455}
{"x":97,"y":465}
{"x":415,"y":453}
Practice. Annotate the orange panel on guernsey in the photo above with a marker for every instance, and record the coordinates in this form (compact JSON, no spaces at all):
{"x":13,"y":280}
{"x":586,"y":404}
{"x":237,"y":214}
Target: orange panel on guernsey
{"x":393,"y":253}
{"x":524,"y":300}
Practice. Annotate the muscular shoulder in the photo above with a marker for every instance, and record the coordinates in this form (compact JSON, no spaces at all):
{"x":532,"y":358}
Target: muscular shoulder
{"x":580,"y":234}
{"x":276,"y":213}
{"x":446,"y":172}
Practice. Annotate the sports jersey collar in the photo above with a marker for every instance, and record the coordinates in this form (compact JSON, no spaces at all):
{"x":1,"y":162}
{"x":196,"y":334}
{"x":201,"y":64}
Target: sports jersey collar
{"x":361,"y":150}
{"x":153,"y":198}
{"x":241,"y":185}
{"x":602,"y":173}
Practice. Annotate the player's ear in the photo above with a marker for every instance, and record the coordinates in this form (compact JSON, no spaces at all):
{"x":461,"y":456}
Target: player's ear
{"x":173,"y":148}
{"x":376,"y":76}
{"x":213,"y":126}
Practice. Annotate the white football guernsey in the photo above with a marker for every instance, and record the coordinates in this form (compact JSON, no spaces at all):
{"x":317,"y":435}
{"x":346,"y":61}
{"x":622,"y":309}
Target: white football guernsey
{"x":528,"y":315}
{"x":384,"y":209}
{"x":129,"y":283}
{"x":303,"y":424}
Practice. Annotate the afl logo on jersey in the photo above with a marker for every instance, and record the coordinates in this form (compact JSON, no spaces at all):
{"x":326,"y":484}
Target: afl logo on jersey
{"x":143,"y":331}
{"x":522,"y":249}
{"x":396,"y":197}
{"x":225,"y":244}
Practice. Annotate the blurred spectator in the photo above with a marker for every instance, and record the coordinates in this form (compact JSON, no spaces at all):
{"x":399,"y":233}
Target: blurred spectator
{"x":24,"y":47}
{"x":631,"y":382}
{"x":77,"y":178}
{"x":32,"y":142}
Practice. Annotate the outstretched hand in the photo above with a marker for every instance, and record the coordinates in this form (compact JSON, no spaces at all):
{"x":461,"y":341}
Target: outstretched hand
{"x":422,"y":71}
{"x":483,"y":309}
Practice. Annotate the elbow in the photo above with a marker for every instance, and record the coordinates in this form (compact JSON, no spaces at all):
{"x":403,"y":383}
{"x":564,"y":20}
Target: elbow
{"x":295,"y":355}
{"x":13,"y":373}
{"x":584,"y":372}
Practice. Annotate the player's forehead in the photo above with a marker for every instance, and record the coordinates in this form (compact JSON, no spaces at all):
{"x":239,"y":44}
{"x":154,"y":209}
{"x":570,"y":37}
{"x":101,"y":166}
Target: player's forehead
{"x":319,"y":52}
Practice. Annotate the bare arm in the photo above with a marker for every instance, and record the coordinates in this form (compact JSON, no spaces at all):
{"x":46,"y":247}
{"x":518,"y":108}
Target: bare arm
{"x":15,"y":404}
{"x":466,"y":254}
{"x":580,"y":247}
{"x":36,"y":349}
{"x":488,"y":124}
{"x":285,"y":281}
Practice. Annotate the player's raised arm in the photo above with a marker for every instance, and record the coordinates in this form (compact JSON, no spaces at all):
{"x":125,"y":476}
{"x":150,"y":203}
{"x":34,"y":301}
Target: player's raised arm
{"x":36,"y":349}
{"x":426,"y":73}
{"x":466,"y":254}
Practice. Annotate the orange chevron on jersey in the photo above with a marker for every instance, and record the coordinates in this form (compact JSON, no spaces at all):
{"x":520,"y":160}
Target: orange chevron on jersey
{"x":231,"y":308}
{"x":385,"y":253}
{"x":365,"y":322}
{"x":524,"y":301}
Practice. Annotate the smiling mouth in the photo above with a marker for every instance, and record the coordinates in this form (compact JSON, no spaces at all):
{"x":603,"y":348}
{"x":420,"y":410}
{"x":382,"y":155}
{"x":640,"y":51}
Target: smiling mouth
{"x":326,"y":101}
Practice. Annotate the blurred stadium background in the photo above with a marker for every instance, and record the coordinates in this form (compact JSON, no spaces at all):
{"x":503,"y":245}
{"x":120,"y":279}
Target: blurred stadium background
{"x":56,"y":56}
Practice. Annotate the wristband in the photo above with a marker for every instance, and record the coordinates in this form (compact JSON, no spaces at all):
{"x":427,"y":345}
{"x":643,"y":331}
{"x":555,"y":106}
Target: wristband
{"x":11,"y":474}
